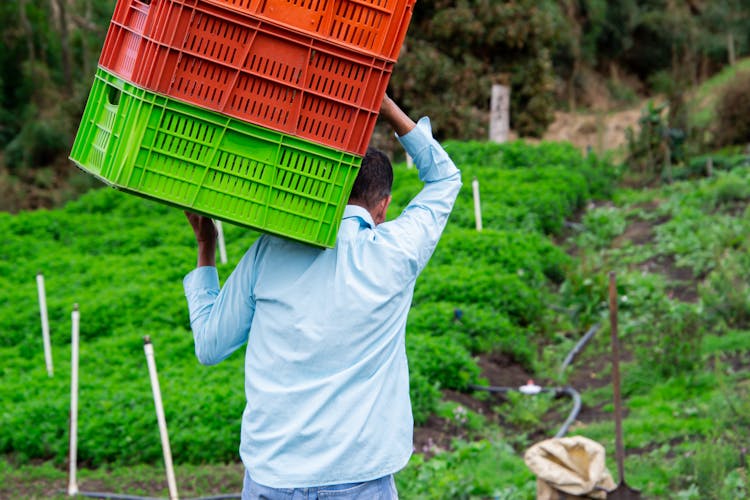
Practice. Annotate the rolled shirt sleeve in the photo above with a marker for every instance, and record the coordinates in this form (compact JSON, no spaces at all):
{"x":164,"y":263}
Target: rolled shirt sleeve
{"x":219,"y":317}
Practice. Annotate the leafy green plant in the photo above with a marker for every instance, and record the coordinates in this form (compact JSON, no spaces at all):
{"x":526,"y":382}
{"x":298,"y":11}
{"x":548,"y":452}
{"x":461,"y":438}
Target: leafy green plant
{"x":525,"y":411}
{"x":459,"y":416}
{"x":697,"y":240}
{"x":678,"y":337}
{"x":709,"y":469}
{"x":38,"y":144}
{"x":726,"y":292}
{"x":602,"y":225}
{"x":442,"y":360}
{"x":425,"y":395}
{"x":481,"y":469}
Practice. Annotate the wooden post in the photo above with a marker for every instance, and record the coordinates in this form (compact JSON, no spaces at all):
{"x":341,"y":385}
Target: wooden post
{"x":500,"y":113}
{"x":710,"y":166}
{"x":730,"y":49}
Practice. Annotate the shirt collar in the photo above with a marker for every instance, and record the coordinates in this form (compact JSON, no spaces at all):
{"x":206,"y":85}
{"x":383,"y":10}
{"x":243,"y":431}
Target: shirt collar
{"x":352,"y":211}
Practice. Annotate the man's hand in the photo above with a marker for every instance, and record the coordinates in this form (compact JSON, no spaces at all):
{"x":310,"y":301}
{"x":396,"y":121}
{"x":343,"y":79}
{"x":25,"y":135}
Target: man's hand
{"x":205,"y":235}
{"x":396,"y":117}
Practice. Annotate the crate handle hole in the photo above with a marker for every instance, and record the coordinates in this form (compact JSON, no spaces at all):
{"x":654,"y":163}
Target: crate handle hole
{"x":147,"y":2}
{"x":114,"y":96}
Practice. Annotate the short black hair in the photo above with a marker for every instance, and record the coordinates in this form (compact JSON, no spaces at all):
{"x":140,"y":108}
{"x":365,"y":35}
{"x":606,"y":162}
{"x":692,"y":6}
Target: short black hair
{"x":374,"y":179}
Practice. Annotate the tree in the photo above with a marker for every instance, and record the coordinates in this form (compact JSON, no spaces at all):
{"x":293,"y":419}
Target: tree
{"x":456,"y":49}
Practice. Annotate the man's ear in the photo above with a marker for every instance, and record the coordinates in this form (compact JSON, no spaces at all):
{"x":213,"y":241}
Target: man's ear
{"x":378,"y":214}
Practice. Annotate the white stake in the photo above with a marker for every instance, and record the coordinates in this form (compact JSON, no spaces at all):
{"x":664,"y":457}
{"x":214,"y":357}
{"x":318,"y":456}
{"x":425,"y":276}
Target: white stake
{"x":45,"y":322}
{"x":74,"y":341}
{"x":171,"y":483}
{"x":222,"y":246}
{"x":477,"y":207}
{"x":409,"y":161}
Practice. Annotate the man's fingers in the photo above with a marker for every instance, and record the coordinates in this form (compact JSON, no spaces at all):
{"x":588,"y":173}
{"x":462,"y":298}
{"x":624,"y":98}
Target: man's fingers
{"x":203,"y":226}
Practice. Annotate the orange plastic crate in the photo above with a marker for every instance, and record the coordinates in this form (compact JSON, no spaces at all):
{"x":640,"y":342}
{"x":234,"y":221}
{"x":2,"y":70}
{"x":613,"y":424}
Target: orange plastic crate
{"x":250,"y":69}
{"x":375,"y":26}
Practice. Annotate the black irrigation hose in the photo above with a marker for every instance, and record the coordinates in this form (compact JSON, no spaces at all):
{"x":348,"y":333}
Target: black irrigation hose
{"x":573,"y":413}
{"x":569,"y":391}
{"x":118,"y":496}
{"x":112,"y":496}
{"x":579,"y":347}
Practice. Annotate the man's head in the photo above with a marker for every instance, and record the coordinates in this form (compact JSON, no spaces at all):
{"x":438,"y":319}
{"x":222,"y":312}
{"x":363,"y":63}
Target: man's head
{"x":372,"y":187}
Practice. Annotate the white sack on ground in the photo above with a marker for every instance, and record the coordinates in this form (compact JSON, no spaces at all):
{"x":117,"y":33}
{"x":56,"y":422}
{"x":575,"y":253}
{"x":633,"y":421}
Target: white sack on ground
{"x":573,"y":465}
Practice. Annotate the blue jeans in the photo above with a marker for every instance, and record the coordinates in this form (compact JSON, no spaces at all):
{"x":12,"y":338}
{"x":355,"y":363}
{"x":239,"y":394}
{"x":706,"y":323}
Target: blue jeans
{"x":377,"y":489}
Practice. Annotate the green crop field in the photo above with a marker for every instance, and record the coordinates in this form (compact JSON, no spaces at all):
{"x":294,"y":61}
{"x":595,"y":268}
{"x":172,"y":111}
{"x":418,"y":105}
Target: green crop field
{"x":527,"y":287}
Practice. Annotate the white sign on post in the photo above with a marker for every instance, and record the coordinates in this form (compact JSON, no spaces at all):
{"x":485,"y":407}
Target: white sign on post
{"x":500,"y":113}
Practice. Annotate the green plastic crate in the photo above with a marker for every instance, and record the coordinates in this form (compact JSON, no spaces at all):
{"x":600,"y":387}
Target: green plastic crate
{"x":206,"y":162}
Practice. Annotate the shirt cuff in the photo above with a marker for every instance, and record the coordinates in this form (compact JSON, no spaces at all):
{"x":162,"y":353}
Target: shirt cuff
{"x":201,"y":278}
{"x":418,"y":137}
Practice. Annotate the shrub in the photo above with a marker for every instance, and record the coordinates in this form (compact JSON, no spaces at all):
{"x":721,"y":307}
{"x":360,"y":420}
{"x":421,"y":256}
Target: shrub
{"x":442,"y":360}
{"x":732,"y":123}
{"x":424,"y":394}
{"x":726,"y":293}
{"x":677,"y":337}
{"x":531,"y":255}
{"x":479,"y":469}
{"x":476,"y":327}
{"x":507,"y":293}
{"x":38,"y":144}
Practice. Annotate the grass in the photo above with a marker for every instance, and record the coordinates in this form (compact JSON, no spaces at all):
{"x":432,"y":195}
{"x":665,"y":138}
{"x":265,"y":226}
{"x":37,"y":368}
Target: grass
{"x":48,"y":481}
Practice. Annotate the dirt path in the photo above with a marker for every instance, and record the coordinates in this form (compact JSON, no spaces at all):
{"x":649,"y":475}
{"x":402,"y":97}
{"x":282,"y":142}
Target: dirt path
{"x":602,"y":131}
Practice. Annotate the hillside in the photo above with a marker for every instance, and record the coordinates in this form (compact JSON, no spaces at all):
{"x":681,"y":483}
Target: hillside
{"x":527,"y":288}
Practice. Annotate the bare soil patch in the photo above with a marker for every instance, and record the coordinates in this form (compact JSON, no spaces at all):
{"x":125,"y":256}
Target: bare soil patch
{"x":683,"y":283}
{"x":600,"y":131}
{"x":437,"y":433}
{"x":639,"y":232}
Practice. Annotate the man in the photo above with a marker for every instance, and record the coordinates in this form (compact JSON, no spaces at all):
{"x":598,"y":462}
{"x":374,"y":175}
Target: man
{"x":326,"y":375}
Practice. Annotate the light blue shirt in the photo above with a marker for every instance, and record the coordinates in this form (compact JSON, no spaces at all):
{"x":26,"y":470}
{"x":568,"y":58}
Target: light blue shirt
{"x":326,"y":375}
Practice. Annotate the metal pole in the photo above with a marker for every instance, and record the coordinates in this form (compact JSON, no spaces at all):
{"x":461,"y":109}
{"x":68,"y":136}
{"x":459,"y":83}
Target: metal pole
{"x":477,"y":205}
{"x":73,"y":458}
{"x":171,"y":483}
{"x":45,"y":323}
{"x":619,"y":448}
{"x":222,"y":246}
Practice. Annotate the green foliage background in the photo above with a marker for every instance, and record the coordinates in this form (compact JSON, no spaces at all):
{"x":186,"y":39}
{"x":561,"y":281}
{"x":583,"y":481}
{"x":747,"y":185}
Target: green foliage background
{"x":122,"y":260}
{"x":545,"y":50}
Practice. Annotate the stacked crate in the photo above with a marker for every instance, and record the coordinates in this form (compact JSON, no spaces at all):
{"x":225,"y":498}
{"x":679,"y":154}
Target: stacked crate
{"x":256,"y":112}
